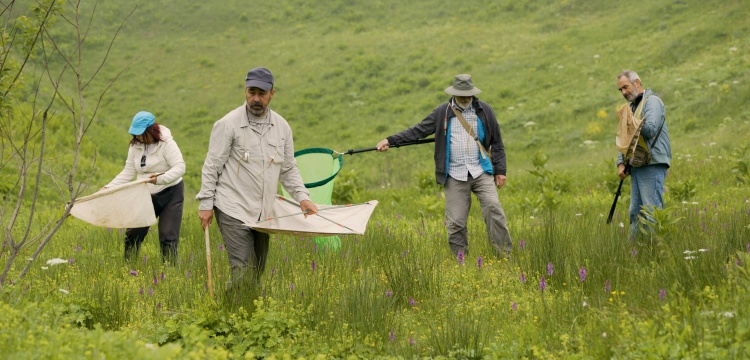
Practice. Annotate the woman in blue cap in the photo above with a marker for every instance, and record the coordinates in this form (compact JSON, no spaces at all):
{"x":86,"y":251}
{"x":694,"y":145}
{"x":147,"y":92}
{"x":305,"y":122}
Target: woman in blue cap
{"x":154,"y":154}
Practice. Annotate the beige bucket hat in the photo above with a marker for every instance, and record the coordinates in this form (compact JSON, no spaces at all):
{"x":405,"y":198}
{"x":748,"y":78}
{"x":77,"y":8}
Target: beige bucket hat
{"x":462,"y":86}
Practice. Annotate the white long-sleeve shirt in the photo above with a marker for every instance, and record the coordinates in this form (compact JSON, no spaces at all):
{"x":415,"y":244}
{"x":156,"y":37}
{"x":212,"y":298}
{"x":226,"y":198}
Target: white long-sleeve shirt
{"x":161,"y":157}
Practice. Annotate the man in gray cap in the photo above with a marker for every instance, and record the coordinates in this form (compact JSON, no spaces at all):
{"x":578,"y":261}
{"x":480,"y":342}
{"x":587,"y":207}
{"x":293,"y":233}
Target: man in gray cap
{"x":469,"y":157}
{"x":249,"y":153}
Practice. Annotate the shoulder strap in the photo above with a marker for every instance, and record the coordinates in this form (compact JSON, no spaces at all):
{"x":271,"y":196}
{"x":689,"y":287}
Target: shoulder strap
{"x":466,"y":126}
{"x":658,"y":132}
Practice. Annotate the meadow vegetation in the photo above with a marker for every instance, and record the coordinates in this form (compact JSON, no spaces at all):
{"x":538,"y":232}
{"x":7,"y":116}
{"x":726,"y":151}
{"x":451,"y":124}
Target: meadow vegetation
{"x":350,"y":73}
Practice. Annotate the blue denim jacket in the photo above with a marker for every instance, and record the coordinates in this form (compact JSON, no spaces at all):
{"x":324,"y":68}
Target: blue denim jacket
{"x":655,"y":116}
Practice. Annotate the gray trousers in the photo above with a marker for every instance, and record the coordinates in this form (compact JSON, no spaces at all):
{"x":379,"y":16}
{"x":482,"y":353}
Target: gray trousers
{"x":457,"y":205}
{"x":247,"y":249}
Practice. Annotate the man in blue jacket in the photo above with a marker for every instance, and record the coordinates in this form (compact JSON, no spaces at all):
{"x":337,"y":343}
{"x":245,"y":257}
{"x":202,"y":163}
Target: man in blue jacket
{"x":647,"y":181}
{"x":464,"y":166}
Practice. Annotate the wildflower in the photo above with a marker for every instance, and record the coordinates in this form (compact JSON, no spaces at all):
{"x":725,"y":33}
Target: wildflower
{"x":392,"y":335}
{"x":71,"y":261}
{"x":550,"y":269}
{"x":480,"y":262}
{"x":633,"y":252}
{"x":460,"y":257}
{"x":523,"y":277}
{"x":150,"y":292}
{"x":291,"y":287}
{"x":690,"y":257}
{"x":522,"y":244}
{"x":582,"y":274}
{"x":158,"y":306}
{"x":412,"y":342}
{"x":64,"y":291}
{"x":621,"y":225}
{"x":388,"y":293}
{"x":286,"y":258}
{"x":313,"y":265}
{"x":78,"y":248}
{"x":607,"y":286}
{"x":542,"y":284}
{"x":156,"y":280}
{"x":140,"y":291}
{"x":162,"y":276}
{"x":412,"y":302}
{"x":145,"y":259}
{"x":133,"y":272}
{"x":688,"y":252}
{"x":514,"y":306}
{"x":585,"y":303}
{"x":398,"y":216}
{"x":221,"y":247}
{"x":188,"y":274}
{"x":56,"y":261}
{"x":662,"y":294}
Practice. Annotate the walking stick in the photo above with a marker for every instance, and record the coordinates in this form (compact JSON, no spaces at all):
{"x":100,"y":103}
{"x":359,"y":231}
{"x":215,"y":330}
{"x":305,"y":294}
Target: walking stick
{"x":208,"y":264}
{"x":617,"y":195}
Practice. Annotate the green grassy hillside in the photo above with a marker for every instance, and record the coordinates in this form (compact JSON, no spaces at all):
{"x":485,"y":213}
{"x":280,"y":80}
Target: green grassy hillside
{"x":350,"y":73}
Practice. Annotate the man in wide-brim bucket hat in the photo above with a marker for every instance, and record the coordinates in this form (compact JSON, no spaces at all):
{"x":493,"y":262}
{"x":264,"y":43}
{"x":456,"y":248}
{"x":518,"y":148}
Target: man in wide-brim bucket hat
{"x":469,"y":158}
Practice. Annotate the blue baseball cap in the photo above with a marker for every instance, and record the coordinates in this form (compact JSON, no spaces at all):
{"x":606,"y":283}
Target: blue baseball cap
{"x":141,"y":121}
{"x":259,"y":77}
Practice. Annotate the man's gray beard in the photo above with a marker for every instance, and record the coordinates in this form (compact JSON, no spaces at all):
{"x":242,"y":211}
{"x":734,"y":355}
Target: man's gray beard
{"x":257,"y":113}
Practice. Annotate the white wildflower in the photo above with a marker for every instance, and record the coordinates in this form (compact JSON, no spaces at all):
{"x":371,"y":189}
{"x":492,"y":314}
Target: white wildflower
{"x":690,"y":257}
{"x":688,"y":252}
{"x":621,"y":224}
{"x":64,"y":291}
{"x":702,"y":250}
{"x":728,"y":314}
{"x":56,"y":261}
{"x":579,"y":214}
{"x":44,"y":268}
{"x":733,"y":48}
